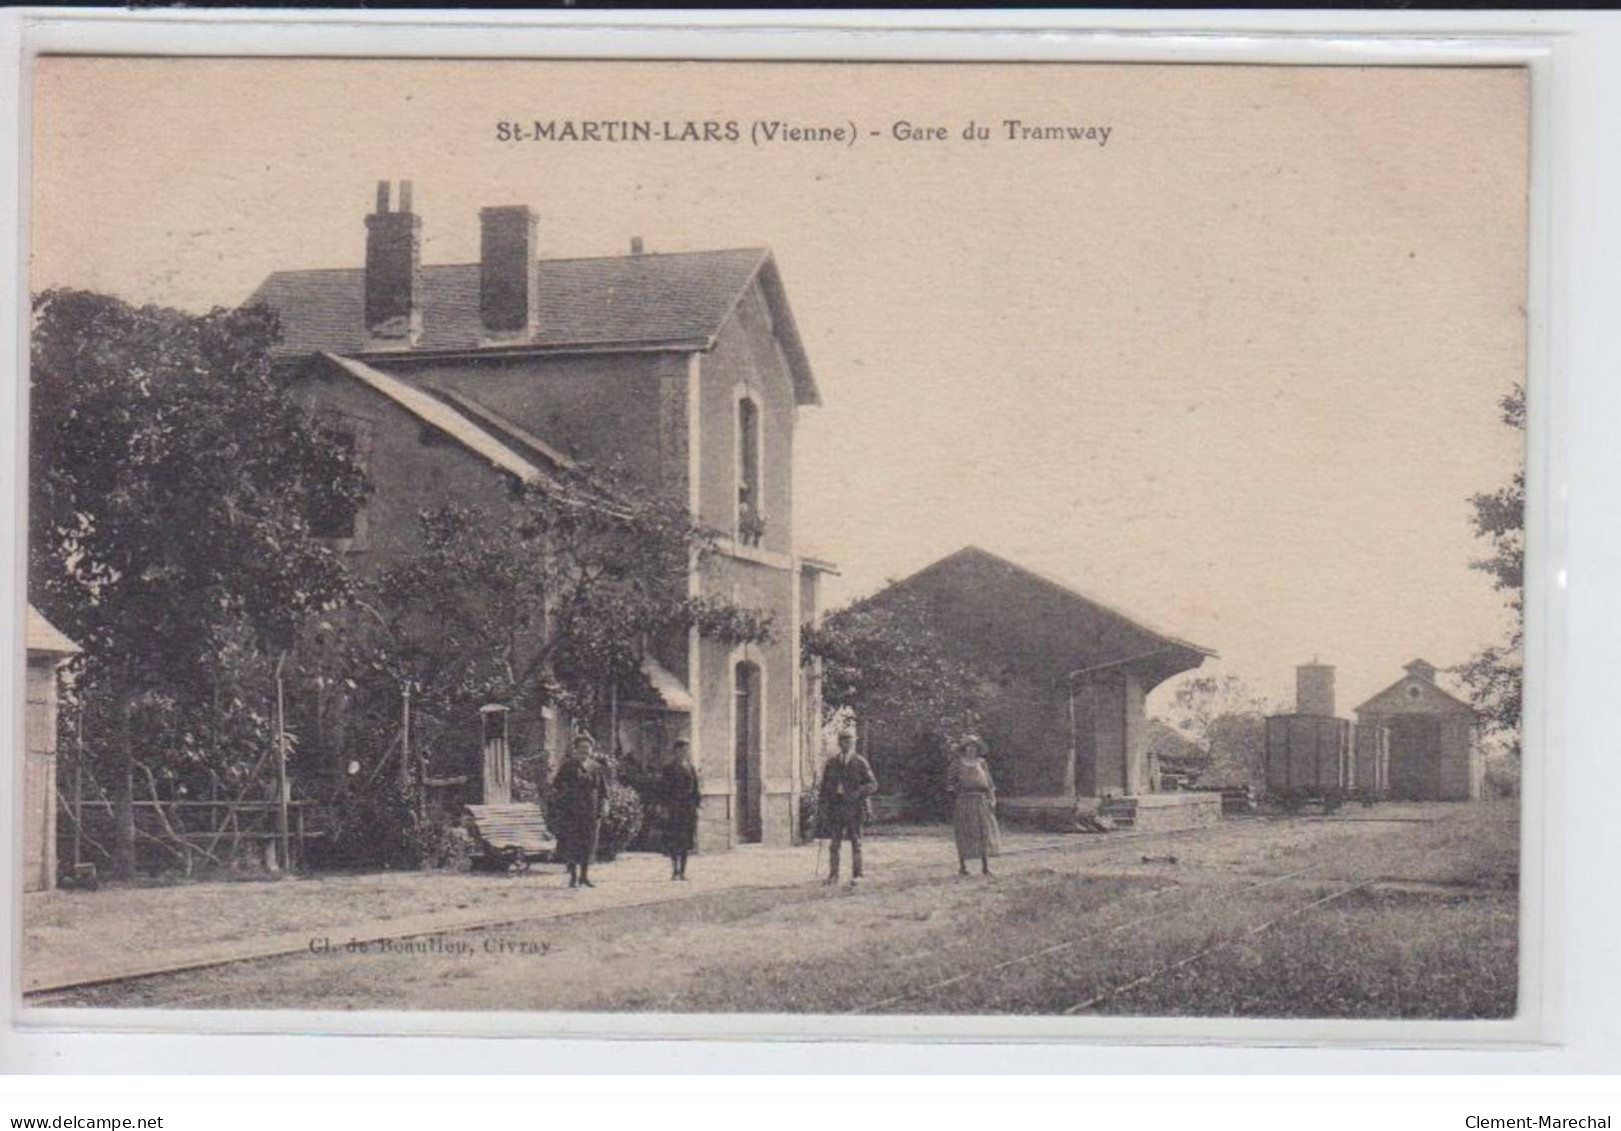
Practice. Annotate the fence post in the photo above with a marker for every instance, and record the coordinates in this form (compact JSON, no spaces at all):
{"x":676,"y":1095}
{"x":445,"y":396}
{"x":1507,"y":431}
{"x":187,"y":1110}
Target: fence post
{"x":78,"y":795}
{"x":281,"y":768}
{"x":405,"y":735}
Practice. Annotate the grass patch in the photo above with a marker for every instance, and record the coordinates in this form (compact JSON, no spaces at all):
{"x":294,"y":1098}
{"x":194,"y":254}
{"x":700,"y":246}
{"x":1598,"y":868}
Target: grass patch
{"x":970,"y":924}
{"x":1384,"y":955}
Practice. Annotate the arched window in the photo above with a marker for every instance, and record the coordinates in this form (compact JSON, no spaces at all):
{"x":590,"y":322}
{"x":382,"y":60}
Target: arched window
{"x":750,"y":515}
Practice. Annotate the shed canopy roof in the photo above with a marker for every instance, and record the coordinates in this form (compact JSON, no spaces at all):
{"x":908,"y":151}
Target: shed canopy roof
{"x":673,"y":694}
{"x":679,"y":300}
{"x":990,"y":605}
{"x":43,"y":636}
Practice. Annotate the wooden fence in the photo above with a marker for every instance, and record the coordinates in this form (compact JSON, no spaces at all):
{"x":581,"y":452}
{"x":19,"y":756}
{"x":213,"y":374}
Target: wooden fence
{"x":188,"y":832}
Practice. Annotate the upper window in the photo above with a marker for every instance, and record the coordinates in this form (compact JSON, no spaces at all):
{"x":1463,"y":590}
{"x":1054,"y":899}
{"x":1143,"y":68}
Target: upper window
{"x":750,"y":514}
{"x":331,"y":518}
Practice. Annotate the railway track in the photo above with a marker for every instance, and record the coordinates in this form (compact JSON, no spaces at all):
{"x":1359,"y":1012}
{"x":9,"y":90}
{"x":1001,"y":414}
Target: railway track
{"x":1110,"y":850}
{"x":1204,"y":952}
{"x":1195,"y":898}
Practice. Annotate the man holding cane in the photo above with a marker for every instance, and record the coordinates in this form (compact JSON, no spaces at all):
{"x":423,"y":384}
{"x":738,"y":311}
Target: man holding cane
{"x":847,"y":782}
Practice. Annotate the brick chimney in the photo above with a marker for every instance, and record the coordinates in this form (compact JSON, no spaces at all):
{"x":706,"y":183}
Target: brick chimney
{"x":508,"y":274}
{"x":393,"y":273}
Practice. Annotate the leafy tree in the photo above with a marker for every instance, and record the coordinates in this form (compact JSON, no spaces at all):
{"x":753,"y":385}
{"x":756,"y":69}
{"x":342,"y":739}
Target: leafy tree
{"x":887,"y":665}
{"x":549,"y":600}
{"x":1226,"y":720}
{"x":170,"y":480}
{"x":1173,"y":750}
{"x":1493,"y":675}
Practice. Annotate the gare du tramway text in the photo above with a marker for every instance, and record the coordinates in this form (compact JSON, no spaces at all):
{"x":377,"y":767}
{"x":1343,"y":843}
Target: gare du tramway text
{"x":772,"y":131}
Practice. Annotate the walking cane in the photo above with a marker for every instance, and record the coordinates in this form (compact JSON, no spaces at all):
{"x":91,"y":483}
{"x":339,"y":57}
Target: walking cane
{"x":817,"y":872}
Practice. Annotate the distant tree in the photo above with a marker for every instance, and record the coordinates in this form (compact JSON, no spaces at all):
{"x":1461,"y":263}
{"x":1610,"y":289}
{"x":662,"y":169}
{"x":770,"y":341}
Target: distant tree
{"x":1173,"y":750}
{"x":170,"y":483}
{"x":1226,"y":720}
{"x":1493,"y":675}
{"x":884,"y":663}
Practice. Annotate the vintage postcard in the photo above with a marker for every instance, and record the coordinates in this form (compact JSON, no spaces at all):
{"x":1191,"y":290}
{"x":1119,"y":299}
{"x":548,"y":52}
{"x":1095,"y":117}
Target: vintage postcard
{"x":847,"y":544}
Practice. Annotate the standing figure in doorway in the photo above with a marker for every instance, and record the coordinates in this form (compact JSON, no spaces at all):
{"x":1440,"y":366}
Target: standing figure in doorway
{"x":579,"y":802}
{"x":847,"y":782}
{"x":679,"y":798}
{"x":974,"y":815}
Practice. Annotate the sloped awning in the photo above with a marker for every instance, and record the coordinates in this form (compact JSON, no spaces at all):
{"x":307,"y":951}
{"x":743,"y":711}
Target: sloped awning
{"x":673,"y":694}
{"x":45,"y":638}
{"x":435,"y":412}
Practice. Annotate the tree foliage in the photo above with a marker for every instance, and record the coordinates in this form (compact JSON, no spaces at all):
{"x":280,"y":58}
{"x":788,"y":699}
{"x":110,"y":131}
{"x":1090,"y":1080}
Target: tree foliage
{"x":1173,"y":749}
{"x":170,"y":482}
{"x":1494,"y":675}
{"x":1226,"y":720}
{"x":550,"y":599}
{"x":886,"y":664}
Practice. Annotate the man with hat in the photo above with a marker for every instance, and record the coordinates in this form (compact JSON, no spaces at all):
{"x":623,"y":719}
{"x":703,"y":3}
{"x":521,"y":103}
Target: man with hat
{"x":579,"y":802}
{"x":847,"y":782}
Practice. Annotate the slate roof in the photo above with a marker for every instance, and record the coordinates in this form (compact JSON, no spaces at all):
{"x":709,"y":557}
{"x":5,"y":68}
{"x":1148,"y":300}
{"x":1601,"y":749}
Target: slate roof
{"x":982,"y":596}
{"x":631,"y":302}
{"x":442,"y":416}
{"x":504,"y":430}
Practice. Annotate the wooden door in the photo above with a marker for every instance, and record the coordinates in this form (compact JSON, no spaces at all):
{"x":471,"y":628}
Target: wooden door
{"x":746,"y":769}
{"x":1415,"y":754}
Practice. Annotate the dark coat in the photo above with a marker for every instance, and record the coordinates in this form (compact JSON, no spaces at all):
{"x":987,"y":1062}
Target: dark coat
{"x":679,"y":797}
{"x":579,"y":800}
{"x":844,"y":790}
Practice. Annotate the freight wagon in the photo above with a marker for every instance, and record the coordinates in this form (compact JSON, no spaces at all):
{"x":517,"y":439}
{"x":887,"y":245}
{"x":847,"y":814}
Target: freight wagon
{"x":1310,"y":759}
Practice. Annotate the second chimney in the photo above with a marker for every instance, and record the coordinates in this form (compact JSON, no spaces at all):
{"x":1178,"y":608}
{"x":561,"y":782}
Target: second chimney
{"x":508,"y":274}
{"x":393,"y":273}
{"x":1314,"y":689}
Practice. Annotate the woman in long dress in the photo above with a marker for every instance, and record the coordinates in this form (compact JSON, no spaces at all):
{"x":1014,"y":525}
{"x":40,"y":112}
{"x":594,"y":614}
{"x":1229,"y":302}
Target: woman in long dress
{"x":974,"y":817}
{"x":680,"y":797}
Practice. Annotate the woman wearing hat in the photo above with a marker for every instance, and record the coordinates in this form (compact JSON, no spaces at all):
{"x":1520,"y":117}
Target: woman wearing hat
{"x":974,"y":818}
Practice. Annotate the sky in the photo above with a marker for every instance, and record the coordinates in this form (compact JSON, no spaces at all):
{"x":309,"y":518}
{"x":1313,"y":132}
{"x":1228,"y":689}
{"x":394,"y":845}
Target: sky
{"x":1233,"y":368}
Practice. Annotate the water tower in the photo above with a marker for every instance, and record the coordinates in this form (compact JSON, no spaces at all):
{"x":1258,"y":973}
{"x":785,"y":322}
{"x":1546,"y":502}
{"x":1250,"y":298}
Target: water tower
{"x":1314,"y":689}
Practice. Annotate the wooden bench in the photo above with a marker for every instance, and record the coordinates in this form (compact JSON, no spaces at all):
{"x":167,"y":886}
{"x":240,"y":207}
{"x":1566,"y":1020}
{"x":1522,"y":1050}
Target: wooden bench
{"x":511,"y":835}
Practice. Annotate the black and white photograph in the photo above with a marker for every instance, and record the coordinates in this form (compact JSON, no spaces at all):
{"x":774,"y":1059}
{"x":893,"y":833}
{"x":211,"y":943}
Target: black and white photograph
{"x":598,"y":538}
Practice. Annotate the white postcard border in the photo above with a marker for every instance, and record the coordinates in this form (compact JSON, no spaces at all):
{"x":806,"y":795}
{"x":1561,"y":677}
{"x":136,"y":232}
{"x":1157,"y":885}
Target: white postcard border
{"x":1322,"y":38}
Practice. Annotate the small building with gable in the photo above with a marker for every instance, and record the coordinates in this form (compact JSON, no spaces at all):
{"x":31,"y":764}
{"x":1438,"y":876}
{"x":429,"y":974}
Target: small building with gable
{"x":1433,"y":753}
{"x":48,"y":649}
{"x":1063,"y":680}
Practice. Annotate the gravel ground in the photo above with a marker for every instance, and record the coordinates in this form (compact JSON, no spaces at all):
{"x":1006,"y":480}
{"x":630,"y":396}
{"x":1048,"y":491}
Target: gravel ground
{"x":1434,"y":936}
{"x":83,"y":934}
